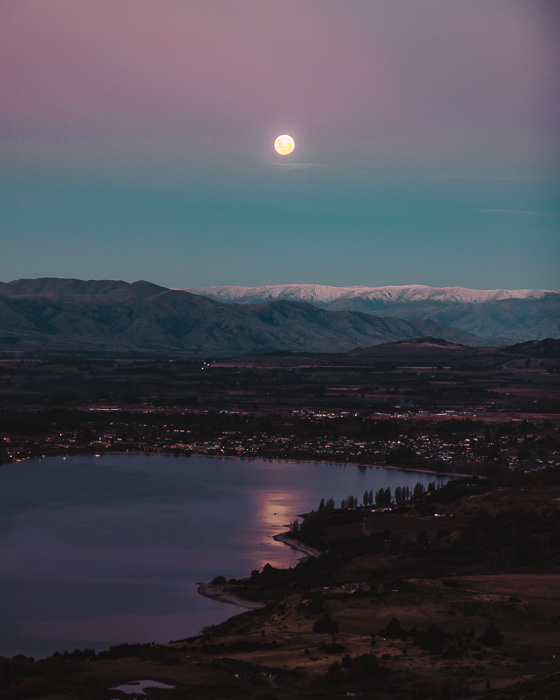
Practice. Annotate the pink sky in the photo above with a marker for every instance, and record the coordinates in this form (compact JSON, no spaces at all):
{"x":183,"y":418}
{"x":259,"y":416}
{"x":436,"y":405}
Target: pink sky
{"x":221,"y":69}
{"x":426,"y":131}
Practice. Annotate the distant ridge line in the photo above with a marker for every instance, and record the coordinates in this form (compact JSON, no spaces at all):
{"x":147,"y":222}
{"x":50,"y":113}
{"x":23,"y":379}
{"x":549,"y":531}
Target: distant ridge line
{"x":510,"y":314}
{"x":113,"y":313}
{"x":325,"y":294}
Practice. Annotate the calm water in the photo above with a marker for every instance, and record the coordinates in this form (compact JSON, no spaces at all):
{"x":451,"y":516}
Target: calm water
{"x":95,"y":551}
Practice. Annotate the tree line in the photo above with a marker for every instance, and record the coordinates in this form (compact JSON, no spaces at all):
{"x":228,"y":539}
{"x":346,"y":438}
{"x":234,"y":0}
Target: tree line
{"x":382,"y":498}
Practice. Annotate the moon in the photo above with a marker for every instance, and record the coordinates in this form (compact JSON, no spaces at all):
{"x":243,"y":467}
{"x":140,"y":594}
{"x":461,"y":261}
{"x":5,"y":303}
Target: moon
{"x":284,"y":144}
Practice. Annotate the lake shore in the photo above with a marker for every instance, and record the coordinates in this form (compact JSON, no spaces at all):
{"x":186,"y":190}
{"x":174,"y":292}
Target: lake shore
{"x":39,"y":454}
{"x":298,"y":546}
{"x":184,"y":493}
{"x":220,"y":593}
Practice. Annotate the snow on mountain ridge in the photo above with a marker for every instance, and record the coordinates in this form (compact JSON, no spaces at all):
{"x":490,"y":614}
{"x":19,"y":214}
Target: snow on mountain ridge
{"x":325,"y":295}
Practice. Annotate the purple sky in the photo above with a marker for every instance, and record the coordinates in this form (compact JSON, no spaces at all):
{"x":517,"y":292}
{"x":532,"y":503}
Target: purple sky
{"x":425,"y":130}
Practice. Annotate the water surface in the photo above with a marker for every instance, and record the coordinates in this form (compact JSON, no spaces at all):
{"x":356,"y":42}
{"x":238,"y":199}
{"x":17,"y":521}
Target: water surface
{"x":96,"y":551}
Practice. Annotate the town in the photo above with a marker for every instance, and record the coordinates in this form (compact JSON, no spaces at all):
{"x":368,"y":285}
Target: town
{"x":485,"y":416}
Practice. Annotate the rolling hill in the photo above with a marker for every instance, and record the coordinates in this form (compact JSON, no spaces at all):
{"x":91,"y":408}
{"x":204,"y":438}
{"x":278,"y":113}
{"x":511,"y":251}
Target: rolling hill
{"x":105,"y":315}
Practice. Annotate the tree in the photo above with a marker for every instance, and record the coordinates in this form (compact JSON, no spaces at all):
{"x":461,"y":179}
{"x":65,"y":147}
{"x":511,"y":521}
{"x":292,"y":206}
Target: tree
{"x":394,"y":630}
{"x":334,"y":674}
{"x":492,"y":636}
{"x":434,"y":639}
{"x":325,"y":625}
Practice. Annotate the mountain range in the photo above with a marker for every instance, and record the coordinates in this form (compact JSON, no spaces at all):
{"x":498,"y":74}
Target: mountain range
{"x":507,"y":314}
{"x":112,"y":315}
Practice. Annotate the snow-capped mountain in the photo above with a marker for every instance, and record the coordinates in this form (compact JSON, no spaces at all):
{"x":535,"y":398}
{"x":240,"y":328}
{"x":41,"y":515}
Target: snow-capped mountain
{"x":516,"y":314}
{"x":323,"y":295}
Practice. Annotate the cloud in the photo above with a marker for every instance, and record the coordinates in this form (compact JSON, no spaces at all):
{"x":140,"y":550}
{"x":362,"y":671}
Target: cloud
{"x":520,"y":212}
{"x":480,"y":176}
{"x":299,"y":166}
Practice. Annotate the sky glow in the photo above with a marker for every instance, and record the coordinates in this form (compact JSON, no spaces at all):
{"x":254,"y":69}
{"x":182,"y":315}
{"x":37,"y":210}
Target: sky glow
{"x":135,"y":141}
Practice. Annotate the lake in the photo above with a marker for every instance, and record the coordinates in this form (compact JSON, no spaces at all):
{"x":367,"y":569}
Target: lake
{"x":96,"y":551}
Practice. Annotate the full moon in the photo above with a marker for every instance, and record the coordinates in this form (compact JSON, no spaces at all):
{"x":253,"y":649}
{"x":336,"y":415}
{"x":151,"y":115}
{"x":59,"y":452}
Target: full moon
{"x":284,"y":145}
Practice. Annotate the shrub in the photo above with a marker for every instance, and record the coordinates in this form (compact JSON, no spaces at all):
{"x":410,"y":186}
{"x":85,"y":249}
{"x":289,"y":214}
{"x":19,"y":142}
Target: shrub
{"x":452,"y":653}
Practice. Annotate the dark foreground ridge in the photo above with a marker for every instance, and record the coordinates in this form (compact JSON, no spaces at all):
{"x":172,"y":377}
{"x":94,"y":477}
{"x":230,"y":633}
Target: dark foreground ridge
{"x":450,"y":594}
